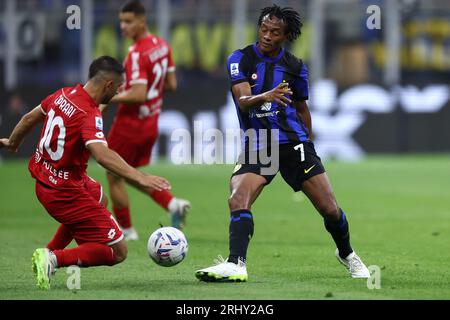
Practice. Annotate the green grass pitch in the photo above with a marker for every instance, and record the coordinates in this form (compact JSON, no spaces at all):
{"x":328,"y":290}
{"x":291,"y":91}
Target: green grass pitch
{"x":398,"y":209}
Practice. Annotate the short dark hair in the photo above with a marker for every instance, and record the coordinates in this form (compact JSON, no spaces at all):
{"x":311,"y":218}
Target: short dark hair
{"x":290,"y":17}
{"x":105,"y":64}
{"x":134,"y":6}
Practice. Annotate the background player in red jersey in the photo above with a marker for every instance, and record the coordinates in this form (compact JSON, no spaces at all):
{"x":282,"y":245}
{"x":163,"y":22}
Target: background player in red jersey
{"x":150,"y":72}
{"x":73,"y":128}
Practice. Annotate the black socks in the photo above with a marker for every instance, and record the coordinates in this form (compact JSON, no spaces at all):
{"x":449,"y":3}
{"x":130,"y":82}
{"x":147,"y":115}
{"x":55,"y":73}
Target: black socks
{"x":341,"y":236}
{"x":241,"y":231}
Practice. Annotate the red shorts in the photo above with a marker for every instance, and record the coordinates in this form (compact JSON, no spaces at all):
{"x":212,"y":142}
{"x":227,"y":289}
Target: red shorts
{"x":94,"y":188}
{"x":80,"y":210}
{"x":136,"y":151}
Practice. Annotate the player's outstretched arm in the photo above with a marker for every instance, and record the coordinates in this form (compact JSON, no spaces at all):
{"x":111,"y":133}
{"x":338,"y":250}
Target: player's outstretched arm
{"x":23,"y":127}
{"x":170,"y":82}
{"x":243,"y":94}
{"x":105,"y":107}
{"x":137,"y":93}
{"x":305,"y":116}
{"x":113,"y":162}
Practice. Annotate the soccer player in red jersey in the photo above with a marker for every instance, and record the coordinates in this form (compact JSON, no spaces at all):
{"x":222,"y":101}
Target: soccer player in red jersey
{"x":149,"y":71}
{"x":73,"y":130}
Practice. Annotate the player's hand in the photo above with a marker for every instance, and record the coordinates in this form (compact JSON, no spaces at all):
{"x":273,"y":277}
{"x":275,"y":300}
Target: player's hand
{"x":278,"y":94}
{"x":4,"y":143}
{"x":155,"y":182}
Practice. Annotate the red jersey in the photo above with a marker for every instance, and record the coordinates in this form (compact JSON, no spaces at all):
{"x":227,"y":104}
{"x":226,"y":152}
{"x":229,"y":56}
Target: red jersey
{"x":147,"y":62}
{"x":72,"y":121}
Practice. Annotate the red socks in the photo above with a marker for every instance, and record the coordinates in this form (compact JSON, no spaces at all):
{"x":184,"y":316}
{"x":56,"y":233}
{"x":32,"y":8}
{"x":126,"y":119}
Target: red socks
{"x":161,"y":197}
{"x":123,"y":216}
{"x":61,"y":239}
{"x":86,"y":255}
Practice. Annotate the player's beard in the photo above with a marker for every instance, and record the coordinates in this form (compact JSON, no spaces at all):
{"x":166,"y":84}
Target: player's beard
{"x":107,"y":98}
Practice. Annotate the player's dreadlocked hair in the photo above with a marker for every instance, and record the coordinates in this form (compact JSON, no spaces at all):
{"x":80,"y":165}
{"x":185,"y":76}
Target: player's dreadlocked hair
{"x":290,"y":17}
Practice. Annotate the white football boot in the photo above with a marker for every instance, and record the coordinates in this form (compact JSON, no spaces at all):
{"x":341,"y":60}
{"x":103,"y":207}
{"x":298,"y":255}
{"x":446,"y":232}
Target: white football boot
{"x":178,"y":209}
{"x":223,"y":271}
{"x":130,"y":234}
{"x":354,"y":265}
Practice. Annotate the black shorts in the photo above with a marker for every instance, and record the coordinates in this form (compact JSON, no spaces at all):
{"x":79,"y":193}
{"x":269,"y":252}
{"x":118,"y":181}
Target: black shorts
{"x":297,"y":163}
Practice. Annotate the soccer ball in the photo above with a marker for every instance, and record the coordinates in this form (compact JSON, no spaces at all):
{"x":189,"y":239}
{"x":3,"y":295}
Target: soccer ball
{"x":167,"y":246}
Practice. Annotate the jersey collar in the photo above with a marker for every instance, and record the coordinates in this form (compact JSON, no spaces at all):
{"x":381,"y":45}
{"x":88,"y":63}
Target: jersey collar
{"x":265,"y":58}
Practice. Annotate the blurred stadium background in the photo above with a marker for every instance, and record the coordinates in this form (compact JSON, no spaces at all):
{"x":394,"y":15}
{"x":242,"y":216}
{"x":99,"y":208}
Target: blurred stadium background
{"x":372,"y":90}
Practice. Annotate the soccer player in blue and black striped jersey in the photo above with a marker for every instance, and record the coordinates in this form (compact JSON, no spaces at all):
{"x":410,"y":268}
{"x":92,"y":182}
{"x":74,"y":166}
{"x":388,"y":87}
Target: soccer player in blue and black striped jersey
{"x":270,"y":89}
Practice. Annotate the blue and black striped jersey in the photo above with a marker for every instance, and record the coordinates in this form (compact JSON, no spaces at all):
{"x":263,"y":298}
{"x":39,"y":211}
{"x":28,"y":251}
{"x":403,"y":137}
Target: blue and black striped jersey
{"x":263,"y":74}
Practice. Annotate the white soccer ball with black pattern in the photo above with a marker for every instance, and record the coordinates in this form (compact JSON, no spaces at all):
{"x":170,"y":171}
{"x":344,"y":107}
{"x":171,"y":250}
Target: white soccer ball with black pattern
{"x":167,"y":246}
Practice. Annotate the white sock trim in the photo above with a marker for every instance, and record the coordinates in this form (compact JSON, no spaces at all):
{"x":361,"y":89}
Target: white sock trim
{"x":173,"y":205}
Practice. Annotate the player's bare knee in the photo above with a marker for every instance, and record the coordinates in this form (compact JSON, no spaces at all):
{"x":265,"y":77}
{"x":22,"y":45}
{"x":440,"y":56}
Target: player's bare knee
{"x":120,"y":251}
{"x":121,"y":255}
{"x":329,"y":210}
{"x":237,"y":201}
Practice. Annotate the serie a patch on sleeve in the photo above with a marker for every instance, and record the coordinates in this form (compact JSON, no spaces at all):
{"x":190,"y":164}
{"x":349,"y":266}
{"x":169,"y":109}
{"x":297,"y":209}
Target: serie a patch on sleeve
{"x":234,"y":69}
{"x":99,"y":123}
